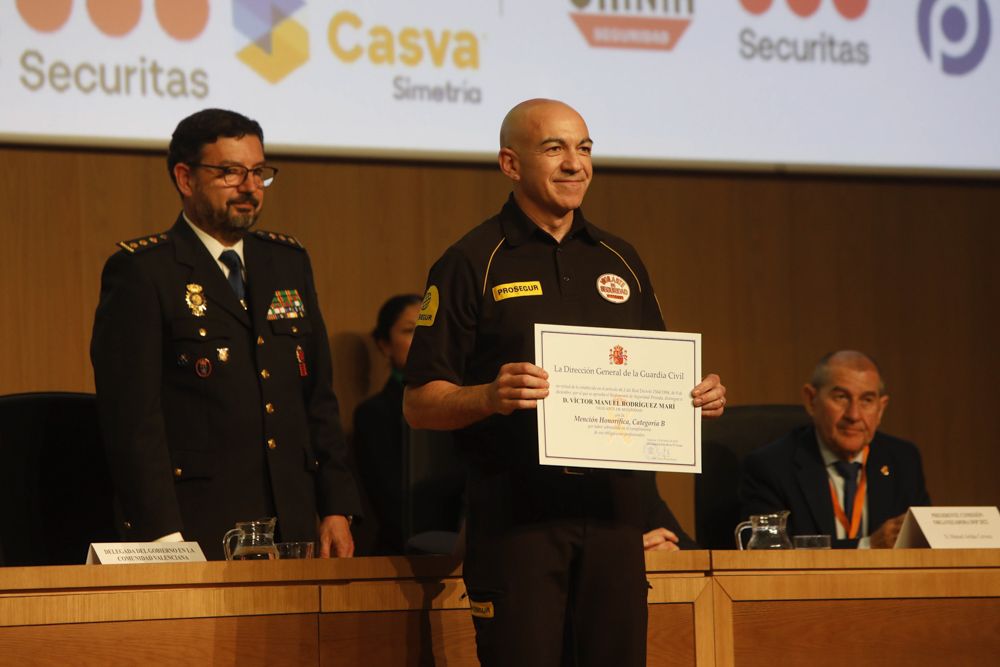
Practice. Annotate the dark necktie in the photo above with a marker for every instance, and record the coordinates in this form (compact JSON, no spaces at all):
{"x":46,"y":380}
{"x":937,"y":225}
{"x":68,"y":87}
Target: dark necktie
{"x":232,"y":262}
{"x":849,"y":471}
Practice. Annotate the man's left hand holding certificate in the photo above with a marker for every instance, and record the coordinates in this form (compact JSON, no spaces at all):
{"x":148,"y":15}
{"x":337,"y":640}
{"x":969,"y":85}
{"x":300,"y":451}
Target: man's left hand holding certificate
{"x":619,"y":398}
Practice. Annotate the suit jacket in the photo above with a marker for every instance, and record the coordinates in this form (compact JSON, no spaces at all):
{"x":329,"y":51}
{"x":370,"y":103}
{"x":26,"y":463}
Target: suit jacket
{"x":222,"y":414}
{"x":789,"y":474}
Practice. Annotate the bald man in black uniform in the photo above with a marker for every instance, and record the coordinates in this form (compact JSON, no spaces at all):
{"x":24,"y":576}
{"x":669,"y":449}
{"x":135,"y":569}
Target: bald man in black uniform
{"x":551,"y":552}
{"x":212,"y":362}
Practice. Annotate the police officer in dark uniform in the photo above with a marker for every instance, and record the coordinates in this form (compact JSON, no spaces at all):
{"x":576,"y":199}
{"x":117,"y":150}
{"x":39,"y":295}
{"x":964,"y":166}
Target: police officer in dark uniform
{"x":552,"y":553}
{"x":212,"y":362}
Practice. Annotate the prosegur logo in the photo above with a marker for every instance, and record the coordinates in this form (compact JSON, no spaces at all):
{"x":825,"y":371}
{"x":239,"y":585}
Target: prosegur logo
{"x":809,"y":49}
{"x":954,"y":34}
{"x":633,"y":24}
{"x":279,"y":45}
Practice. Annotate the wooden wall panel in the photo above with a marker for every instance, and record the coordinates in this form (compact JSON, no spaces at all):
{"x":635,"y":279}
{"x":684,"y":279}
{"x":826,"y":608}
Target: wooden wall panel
{"x":774,"y":270}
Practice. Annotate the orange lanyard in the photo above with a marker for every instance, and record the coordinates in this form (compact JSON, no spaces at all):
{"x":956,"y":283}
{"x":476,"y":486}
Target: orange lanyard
{"x":851,"y":527}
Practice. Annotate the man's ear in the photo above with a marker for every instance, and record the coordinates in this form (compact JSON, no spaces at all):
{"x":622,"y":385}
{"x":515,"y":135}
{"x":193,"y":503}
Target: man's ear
{"x":808,"y":396}
{"x":509,"y":164}
{"x":183,"y":175}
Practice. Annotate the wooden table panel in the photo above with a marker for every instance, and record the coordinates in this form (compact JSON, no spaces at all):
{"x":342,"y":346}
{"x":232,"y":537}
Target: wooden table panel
{"x":867,"y":632}
{"x":275,"y":641}
{"x":670,"y":635}
{"x":394,"y":595}
{"x":77,"y":607}
{"x":397,"y":639}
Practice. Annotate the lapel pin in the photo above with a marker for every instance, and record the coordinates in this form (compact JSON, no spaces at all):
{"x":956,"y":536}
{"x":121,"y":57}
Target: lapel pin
{"x":300,"y":356}
{"x":203,"y":367}
{"x":223,"y":354}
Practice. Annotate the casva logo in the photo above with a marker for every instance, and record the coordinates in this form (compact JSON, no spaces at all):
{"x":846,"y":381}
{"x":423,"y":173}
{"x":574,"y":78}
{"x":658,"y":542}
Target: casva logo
{"x":849,"y":9}
{"x":954,"y":34}
{"x":633,"y":24}
{"x":278,"y":44}
{"x":181,"y":19}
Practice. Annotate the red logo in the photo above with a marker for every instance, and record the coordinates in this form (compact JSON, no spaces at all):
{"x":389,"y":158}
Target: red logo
{"x":632,"y":25}
{"x":618,"y":355}
{"x":849,"y":9}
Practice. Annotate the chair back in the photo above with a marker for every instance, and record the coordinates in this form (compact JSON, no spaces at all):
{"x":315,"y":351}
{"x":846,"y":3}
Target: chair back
{"x":55,"y":488}
{"x":435,"y":474}
{"x":725,"y":442}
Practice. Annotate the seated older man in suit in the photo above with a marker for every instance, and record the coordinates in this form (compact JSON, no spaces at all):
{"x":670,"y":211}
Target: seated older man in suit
{"x":840,"y":476}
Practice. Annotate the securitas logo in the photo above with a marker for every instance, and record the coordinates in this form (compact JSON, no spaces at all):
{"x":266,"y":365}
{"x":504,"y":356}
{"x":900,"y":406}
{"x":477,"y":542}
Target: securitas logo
{"x":279,"y":45}
{"x":633,"y":24}
{"x":141,"y":76}
{"x":805,"y":46}
{"x":181,"y":19}
{"x":954,"y":34}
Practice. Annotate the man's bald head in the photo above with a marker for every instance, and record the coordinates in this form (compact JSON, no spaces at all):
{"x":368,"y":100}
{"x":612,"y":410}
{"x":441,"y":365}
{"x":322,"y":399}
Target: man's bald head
{"x":515,"y":130}
{"x":545,"y":151}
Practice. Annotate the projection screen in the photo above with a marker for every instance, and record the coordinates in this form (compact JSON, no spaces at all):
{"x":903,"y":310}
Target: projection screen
{"x":883,"y":85}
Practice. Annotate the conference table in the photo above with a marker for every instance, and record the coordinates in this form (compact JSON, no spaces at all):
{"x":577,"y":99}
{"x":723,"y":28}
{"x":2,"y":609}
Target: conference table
{"x":915,"y":607}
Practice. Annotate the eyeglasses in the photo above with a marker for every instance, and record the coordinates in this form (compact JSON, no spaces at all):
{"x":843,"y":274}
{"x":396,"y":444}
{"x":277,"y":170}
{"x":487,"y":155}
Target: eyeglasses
{"x":235,"y":174}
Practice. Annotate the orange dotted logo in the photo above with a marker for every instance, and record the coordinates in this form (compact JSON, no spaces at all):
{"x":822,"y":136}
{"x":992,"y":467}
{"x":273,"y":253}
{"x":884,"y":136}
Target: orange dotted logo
{"x":181,"y":19}
{"x":849,"y":9}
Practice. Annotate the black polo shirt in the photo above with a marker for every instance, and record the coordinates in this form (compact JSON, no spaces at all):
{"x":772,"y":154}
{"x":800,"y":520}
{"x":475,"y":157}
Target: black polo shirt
{"x":487,"y":291}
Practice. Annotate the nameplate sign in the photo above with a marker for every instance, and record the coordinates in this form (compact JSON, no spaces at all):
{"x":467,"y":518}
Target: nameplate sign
{"x":121,"y":553}
{"x":950,"y":528}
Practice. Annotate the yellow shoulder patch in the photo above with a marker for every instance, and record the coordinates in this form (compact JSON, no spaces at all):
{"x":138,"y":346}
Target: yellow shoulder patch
{"x":512,"y":290}
{"x":429,"y":307}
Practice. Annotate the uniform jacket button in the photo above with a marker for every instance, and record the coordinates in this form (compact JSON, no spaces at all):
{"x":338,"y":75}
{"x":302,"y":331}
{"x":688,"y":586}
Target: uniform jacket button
{"x":272,"y":443}
{"x":269,"y":408}
{"x":178,"y":472}
{"x":265,"y":373}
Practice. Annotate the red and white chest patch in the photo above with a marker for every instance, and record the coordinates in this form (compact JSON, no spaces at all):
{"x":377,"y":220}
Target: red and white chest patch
{"x":613,"y":288}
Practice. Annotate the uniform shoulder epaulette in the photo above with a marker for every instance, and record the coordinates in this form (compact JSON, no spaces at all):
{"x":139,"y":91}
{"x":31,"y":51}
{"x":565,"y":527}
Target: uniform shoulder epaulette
{"x":275,"y":237}
{"x":144,"y":243}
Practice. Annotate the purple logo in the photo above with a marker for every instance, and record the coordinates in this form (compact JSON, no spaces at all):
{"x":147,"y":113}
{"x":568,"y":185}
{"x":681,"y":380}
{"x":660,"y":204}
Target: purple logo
{"x":954,"y":33}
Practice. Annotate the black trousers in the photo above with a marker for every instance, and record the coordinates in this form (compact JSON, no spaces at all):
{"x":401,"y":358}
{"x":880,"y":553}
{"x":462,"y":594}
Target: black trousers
{"x":566,"y":591}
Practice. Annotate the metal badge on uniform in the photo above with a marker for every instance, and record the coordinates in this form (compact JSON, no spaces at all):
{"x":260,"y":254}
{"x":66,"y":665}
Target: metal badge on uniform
{"x":195,"y":299}
{"x":481,"y":609}
{"x":223,"y":354}
{"x":203,"y":367}
{"x":613,"y":288}
{"x":300,"y":356}
{"x":286,"y":305}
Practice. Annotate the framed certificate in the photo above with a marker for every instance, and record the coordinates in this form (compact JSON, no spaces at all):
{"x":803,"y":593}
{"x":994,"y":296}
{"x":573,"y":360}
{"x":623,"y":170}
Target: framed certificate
{"x":619,"y":398}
